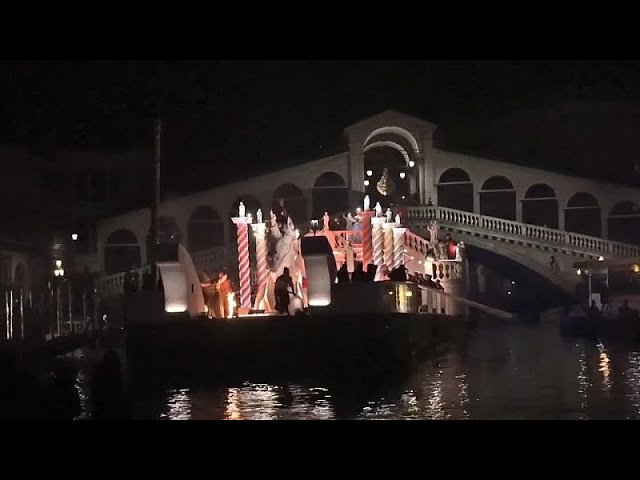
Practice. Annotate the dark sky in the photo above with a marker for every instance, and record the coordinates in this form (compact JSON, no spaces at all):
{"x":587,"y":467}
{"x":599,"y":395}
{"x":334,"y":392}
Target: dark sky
{"x":260,"y":115}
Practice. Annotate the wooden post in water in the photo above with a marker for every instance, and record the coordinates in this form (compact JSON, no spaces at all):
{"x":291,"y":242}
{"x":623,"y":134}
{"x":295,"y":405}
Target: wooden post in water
{"x":58,"y":313}
{"x":11,"y":310}
{"x":70,"y":306}
{"x":47,"y":302}
{"x":21,"y":314}
{"x":155,"y":228}
{"x":96,"y":310}
{"x":84,"y":311}
{"x":6,"y":308}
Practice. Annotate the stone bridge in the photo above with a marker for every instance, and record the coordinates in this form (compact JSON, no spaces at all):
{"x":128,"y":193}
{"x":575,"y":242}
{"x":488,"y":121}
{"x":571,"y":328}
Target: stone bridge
{"x":523,"y":213}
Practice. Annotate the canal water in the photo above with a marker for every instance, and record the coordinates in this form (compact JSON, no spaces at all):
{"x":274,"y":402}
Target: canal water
{"x":501,"y":371}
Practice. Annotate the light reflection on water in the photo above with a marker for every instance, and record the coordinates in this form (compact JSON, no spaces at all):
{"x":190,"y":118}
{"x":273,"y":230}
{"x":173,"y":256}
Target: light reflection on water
{"x":514,"y":372}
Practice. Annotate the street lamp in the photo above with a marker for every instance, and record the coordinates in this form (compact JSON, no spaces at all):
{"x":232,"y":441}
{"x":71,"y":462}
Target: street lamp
{"x":58,"y":271}
{"x":74,"y":237}
{"x":315,"y":226}
{"x":588,"y":273}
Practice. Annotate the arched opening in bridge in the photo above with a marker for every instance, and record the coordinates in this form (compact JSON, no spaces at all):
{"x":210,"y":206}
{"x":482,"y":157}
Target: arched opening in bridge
{"x":294,"y":202}
{"x":168,"y":231}
{"x":396,"y":150}
{"x":329,"y":195}
{"x":387,"y":176}
{"x":540,"y":206}
{"x":455,"y":190}
{"x":624,"y":222}
{"x":582,"y":215}
{"x":498,"y":281}
{"x":121,"y":252}
{"x":498,"y":198}
{"x":168,"y":234}
{"x":20,"y":276}
{"x":205,"y":229}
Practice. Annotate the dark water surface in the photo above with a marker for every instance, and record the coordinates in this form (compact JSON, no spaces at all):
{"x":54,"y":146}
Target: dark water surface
{"x":506,"y":371}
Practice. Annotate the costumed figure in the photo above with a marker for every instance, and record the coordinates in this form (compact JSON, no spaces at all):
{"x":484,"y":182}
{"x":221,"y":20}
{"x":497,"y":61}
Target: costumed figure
{"x":216,"y":292}
{"x":389,"y":215}
{"x":283,"y":248}
{"x":325,"y":221}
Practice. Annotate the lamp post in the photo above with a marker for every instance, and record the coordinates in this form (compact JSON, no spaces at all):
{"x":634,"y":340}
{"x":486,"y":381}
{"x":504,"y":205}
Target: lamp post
{"x":315,"y":226}
{"x":58,"y":274}
{"x":589,"y":285}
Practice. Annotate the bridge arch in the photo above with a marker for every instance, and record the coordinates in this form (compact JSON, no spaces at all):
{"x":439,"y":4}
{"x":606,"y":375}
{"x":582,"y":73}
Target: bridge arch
{"x":168,"y":230}
{"x":121,"y":252}
{"x":405,"y":134}
{"x":498,"y":198}
{"x":329,"y":194}
{"x":582,"y":215}
{"x":388,"y":178}
{"x":540,"y":206}
{"x":455,"y":190}
{"x":294,"y":201}
{"x":205,"y":229}
{"x":624,"y":222}
{"x":519,"y":282}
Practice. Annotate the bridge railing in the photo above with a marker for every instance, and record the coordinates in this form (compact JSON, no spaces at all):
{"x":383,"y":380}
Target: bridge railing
{"x":113,"y":285}
{"x":213,"y":257}
{"x":512,"y":229}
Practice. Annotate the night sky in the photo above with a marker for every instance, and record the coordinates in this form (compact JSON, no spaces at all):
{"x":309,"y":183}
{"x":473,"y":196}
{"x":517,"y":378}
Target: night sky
{"x":229,"y":118}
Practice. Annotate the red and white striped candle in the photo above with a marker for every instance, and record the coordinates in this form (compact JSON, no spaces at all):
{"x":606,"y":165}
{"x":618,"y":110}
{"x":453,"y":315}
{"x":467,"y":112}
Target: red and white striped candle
{"x":387,"y":230}
{"x":398,"y":246}
{"x":367,"y":244}
{"x":259,"y":229}
{"x":244,"y":265}
{"x":377,"y":235}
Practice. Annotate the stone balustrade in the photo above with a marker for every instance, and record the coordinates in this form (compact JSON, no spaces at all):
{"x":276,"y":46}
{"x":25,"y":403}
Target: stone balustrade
{"x":510,"y":230}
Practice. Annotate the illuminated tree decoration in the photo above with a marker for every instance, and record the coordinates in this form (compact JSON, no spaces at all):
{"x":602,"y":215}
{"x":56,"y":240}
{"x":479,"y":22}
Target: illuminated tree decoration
{"x":386,"y":186}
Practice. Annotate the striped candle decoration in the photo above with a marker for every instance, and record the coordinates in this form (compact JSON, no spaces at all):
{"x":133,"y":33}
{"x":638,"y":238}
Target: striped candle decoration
{"x":398,"y":246}
{"x":378,"y":240}
{"x":244,"y":267}
{"x":387,"y":229}
{"x":367,"y":245}
{"x":259,"y":230}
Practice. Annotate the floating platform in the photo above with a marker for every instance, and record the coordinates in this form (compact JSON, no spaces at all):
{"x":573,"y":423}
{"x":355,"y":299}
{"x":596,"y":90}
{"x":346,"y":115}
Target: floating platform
{"x":264,"y":346}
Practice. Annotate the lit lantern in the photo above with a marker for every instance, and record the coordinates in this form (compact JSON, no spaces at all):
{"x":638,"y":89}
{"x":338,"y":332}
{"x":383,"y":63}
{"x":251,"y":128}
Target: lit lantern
{"x":318,"y":280}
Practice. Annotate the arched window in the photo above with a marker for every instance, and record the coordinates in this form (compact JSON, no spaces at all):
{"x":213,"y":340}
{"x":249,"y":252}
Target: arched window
{"x":205,"y":229}
{"x":329,"y":194}
{"x":540,"y":206}
{"x":168,"y":230}
{"x":498,"y":198}
{"x":624,"y":222}
{"x":121,"y":252}
{"x":387,"y":176}
{"x":582,"y":215}
{"x":294,"y":202}
{"x":455,"y":190}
